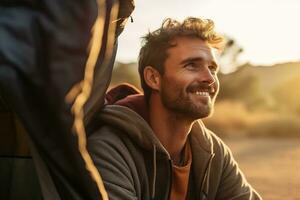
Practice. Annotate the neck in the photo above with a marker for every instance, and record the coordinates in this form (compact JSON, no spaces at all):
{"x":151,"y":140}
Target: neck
{"x":170,"y":128}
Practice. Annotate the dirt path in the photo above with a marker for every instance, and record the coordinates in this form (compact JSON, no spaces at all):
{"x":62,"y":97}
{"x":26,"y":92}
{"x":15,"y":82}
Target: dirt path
{"x":272,"y":166}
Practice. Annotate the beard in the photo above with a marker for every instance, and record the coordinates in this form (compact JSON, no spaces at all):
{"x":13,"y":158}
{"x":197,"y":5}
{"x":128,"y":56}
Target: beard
{"x":184,"y":103}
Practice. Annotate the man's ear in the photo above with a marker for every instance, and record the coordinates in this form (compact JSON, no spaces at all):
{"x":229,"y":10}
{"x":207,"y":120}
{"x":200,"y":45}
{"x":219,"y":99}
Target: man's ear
{"x":152,"y":77}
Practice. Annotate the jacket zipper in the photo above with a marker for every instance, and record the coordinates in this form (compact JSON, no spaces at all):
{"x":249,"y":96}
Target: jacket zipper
{"x":206,"y":179}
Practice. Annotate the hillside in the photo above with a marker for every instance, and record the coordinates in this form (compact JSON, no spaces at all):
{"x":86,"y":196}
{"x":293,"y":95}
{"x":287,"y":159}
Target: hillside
{"x":269,"y":76}
{"x":268,"y":87}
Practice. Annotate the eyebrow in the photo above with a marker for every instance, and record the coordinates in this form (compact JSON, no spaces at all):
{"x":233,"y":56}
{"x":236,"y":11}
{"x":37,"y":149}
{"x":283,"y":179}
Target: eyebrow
{"x":196,"y":59}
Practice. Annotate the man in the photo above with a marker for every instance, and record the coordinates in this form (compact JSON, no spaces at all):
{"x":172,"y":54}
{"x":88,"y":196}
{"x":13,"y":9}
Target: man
{"x":154,"y":146}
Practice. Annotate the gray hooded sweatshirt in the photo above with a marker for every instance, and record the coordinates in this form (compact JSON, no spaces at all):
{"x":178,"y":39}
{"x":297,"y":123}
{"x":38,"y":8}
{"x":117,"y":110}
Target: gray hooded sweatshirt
{"x":135,"y":165}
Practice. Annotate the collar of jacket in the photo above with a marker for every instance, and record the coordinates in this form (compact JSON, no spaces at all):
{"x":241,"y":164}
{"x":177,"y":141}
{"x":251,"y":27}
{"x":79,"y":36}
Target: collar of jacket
{"x":202,"y":151}
{"x":140,"y":132}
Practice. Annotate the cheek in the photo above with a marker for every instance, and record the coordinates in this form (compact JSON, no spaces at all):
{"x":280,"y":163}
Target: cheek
{"x":172,"y":81}
{"x":171,"y":87}
{"x":177,"y":82}
{"x":217,"y":85}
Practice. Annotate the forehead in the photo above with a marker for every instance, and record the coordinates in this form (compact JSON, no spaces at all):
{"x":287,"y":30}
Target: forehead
{"x":185,"y":47}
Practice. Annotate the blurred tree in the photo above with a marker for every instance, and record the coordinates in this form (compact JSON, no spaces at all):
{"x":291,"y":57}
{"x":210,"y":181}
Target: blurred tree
{"x":125,"y":72}
{"x":229,"y":57}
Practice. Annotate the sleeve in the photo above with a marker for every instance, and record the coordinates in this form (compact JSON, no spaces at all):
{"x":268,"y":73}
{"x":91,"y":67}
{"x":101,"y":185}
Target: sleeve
{"x":113,"y":160}
{"x":233,"y":185}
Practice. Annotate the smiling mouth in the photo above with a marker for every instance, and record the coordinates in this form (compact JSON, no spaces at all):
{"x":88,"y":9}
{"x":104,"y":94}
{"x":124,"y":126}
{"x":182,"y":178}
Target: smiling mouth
{"x":199,"y":93}
{"x":205,"y":92}
{"x":202,"y":90}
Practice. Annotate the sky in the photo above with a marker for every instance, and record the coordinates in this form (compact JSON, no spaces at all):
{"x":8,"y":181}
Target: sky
{"x":267,"y":30}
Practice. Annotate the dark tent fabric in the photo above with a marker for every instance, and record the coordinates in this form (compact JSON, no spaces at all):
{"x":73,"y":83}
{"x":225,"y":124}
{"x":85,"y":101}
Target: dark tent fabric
{"x":18,"y":178}
{"x":43,"y":54}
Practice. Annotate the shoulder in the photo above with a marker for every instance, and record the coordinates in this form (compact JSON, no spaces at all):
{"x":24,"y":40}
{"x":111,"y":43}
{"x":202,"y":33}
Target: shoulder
{"x":106,"y":144}
{"x":109,"y":143}
{"x":112,"y":156}
{"x":105,"y":133}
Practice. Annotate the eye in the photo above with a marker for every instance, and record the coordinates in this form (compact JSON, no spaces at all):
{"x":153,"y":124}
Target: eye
{"x":190,"y":66}
{"x":213,"y":69}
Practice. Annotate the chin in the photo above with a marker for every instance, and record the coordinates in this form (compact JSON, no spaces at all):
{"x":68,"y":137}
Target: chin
{"x":203,"y":115}
{"x":200,"y":115}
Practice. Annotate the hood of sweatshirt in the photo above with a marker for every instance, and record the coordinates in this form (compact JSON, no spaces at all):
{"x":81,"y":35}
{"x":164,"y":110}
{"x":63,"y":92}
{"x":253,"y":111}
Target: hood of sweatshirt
{"x":127,"y":110}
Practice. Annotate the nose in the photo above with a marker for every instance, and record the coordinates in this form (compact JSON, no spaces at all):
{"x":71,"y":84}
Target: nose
{"x":207,"y":76}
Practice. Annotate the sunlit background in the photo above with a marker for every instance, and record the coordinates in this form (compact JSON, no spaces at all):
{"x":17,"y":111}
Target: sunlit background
{"x":258,"y":109}
{"x":267,"y":30}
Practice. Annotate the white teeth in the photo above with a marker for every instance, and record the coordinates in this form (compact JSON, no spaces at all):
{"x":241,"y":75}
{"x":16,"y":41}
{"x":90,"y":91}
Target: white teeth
{"x":202,"y":93}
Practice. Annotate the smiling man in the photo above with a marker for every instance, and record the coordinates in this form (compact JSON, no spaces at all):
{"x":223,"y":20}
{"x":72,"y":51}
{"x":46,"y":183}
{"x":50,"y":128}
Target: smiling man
{"x":154,"y":146}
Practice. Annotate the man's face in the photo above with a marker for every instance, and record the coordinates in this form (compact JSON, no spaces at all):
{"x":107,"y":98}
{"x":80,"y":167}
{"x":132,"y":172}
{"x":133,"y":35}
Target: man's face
{"x":190,"y":84}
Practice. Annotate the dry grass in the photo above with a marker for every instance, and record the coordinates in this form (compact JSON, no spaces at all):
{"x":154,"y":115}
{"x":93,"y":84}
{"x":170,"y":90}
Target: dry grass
{"x":271,"y":165}
{"x":233,"y":119}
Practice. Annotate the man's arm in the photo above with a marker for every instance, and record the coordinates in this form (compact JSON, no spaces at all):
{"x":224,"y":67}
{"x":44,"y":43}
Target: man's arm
{"x":112,"y":159}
